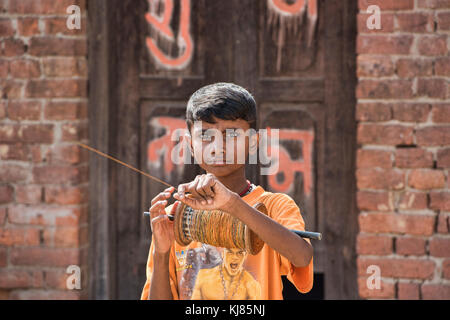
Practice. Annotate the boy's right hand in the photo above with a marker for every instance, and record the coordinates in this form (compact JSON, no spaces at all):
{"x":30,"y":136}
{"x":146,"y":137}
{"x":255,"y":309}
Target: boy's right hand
{"x":162,"y":227}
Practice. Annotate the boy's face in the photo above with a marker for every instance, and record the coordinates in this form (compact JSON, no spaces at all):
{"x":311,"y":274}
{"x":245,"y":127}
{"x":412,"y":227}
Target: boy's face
{"x":221,"y":148}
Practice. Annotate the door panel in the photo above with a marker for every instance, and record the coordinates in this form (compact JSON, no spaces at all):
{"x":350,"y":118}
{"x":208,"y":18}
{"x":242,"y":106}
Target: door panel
{"x":290,"y":54}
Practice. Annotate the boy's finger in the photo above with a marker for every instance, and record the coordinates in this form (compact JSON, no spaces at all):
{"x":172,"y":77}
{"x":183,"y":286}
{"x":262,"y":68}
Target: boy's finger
{"x":158,"y":208}
{"x":160,"y":196}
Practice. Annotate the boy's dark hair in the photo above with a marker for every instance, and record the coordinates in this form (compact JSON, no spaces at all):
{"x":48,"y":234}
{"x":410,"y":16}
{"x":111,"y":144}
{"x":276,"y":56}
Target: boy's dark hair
{"x":226,"y":101}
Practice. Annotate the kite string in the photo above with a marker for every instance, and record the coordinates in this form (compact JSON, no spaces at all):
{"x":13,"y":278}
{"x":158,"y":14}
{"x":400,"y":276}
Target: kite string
{"x":123,"y":163}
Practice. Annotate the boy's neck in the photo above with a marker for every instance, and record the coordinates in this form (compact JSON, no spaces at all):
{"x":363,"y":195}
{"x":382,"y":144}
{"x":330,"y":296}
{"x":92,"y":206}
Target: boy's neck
{"x":236,"y":182}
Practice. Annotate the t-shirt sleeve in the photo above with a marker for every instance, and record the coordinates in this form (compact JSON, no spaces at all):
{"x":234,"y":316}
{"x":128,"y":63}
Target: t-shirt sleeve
{"x":285,"y":211}
{"x":149,"y":272}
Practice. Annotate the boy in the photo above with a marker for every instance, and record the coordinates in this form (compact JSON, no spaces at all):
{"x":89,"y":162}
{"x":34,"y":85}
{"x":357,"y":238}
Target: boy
{"x":201,"y":271}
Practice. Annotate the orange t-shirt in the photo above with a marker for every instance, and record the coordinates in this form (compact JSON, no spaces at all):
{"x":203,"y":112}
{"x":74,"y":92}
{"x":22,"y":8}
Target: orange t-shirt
{"x":201,"y":271}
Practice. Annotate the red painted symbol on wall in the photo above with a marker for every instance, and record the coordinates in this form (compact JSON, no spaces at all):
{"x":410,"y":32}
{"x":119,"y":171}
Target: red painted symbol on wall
{"x":284,"y":16}
{"x":288,"y":166}
{"x":164,"y":36}
{"x":166,"y":144}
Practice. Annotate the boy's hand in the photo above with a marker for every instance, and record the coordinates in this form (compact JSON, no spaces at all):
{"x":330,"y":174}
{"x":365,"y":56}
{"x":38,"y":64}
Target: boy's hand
{"x":162,"y":227}
{"x":206,"y":192}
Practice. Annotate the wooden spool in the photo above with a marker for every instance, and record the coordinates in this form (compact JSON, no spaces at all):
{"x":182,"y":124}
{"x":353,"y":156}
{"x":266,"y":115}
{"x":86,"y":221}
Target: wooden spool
{"x":253,"y":244}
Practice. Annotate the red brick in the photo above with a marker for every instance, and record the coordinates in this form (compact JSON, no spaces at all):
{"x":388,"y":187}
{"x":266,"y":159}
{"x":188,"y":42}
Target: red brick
{"x":410,"y":68}
{"x":386,"y":23}
{"x":3,"y":257}
{"x":374,"y":66}
{"x":24,"y":69}
{"x":442,"y":66}
{"x":74,"y":131}
{"x":28,"y":26}
{"x":377,"y":178}
{"x":387,"y":4}
{"x":425,"y":179}
{"x":443,"y":21}
{"x":65,"y":195}
{"x":384,"y":89}
{"x":12,"y":173}
{"x":373,"y":201}
{"x":28,"y":194}
{"x":440,"y":247}
{"x":62,"y":237}
{"x":2,"y":222}
{"x":56,"y":279}
{"x":412,"y":200}
{"x":408,"y":268}
{"x":4,"y":70}
{"x":410,"y":246}
{"x":408,"y":291}
{"x":435,"y":291}
{"x":24,"y":110}
{"x":56,"y":88}
{"x":40,"y":133}
{"x":45,"y":294}
{"x":433,"y":88}
{"x":44,"y":6}
{"x":373,"y":245}
{"x":373,"y":112}
{"x":19,"y":236}
{"x":44,"y":215}
{"x":68,"y":154}
{"x":368,"y":158}
{"x":16,"y":151}
{"x":12,"y":47}
{"x":9,"y":133}
{"x":56,"y":174}
{"x":11,"y":89}
{"x":435,"y":45}
{"x":411,"y":112}
{"x":386,"y":291}
{"x":6,"y":28}
{"x":413,"y":158}
{"x":443,"y":223}
{"x":13,"y":279}
{"x":446,"y":269}
{"x":440,"y":201}
{"x":66,"y":110}
{"x":6,"y":194}
{"x":441,"y":113}
{"x":64,"y":67}
{"x":39,"y":256}
{"x":384,"y":134}
{"x":384,"y":44}
{"x":433,"y":136}
{"x":415,"y":22}
{"x":52,"y":46}
{"x":434,"y":4}
{"x":413,"y":224}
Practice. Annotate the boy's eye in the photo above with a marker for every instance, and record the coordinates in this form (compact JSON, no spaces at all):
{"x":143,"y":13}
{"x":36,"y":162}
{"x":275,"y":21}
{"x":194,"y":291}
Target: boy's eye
{"x":205,"y":137}
{"x":232,"y":134}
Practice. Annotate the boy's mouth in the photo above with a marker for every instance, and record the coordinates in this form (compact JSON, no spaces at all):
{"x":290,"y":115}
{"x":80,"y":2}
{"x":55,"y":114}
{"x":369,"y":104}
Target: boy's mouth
{"x":233,"y":266}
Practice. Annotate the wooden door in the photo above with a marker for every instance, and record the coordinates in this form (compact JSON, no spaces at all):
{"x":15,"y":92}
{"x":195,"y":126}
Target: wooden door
{"x":147,"y":57}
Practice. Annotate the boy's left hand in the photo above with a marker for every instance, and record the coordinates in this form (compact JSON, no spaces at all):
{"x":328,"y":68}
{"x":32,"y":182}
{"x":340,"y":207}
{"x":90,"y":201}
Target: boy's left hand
{"x":205,"y":192}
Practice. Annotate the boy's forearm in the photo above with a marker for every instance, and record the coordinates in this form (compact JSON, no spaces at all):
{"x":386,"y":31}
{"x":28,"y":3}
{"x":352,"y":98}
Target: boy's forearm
{"x":295,"y":249}
{"x":160,"y":283}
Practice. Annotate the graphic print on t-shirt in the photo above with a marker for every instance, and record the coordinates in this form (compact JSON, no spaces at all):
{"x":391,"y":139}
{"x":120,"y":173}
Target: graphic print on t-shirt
{"x":210,"y":273}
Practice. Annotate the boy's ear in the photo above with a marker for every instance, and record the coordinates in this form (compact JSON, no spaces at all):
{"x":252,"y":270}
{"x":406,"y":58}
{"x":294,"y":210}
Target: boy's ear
{"x":188,"y":138}
{"x":253,"y":143}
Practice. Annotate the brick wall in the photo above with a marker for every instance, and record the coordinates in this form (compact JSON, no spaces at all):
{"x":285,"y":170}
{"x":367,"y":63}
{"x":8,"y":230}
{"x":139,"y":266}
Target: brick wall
{"x":403,"y":157}
{"x":43,"y":174}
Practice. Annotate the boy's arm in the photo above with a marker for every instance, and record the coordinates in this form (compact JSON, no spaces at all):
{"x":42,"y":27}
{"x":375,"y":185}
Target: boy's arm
{"x":160,"y":284}
{"x":207,"y":192}
{"x":298,"y":251}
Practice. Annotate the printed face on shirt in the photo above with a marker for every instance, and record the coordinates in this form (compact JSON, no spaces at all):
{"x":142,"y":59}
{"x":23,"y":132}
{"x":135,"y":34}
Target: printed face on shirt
{"x":233,"y":260}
